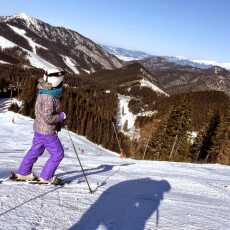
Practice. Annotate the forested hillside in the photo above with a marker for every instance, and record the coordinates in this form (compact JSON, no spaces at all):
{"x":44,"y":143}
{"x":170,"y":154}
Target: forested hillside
{"x":190,"y":127}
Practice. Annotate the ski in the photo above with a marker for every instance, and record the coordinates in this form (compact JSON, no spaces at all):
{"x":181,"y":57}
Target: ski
{"x":57,"y":183}
{"x":35,"y":182}
{"x":12,"y":179}
{"x":2,"y":180}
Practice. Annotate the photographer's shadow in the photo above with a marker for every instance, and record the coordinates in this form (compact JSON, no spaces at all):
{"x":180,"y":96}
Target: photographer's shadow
{"x":125,"y":206}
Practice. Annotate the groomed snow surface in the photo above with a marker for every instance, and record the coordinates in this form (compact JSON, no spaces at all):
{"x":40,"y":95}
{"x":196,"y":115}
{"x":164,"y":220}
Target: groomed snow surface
{"x":129,"y":194}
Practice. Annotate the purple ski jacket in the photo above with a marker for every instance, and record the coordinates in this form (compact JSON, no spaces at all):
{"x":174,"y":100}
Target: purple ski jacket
{"x":47,"y":109}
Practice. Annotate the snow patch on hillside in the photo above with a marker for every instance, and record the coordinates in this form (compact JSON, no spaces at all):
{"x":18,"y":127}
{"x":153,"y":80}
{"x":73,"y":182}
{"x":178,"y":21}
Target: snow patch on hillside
{"x":34,"y":59}
{"x":17,"y":101}
{"x":126,"y":119}
{"x":70,"y":63}
{"x":125,"y":116}
{"x":22,"y":33}
{"x":125,"y":58}
{"x":37,"y":61}
{"x":148,"y":84}
{"x":147,"y":113}
{"x":87,"y":71}
{"x":4,"y":62}
{"x":192,"y":136}
{"x":5,"y":43}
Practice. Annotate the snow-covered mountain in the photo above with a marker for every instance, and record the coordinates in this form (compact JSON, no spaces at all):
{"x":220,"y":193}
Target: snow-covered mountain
{"x":126,"y":54}
{"x":186,"y":62}
{"x":202,"y":64}
{"x":128,"y":194}
{"x":225,"y":65}
{"x":43,"y":46}
{"x":131,"y":55}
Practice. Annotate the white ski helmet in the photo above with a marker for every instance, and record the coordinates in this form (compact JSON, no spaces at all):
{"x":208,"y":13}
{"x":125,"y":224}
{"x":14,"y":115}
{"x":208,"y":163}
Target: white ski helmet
{"x":54,"y":76}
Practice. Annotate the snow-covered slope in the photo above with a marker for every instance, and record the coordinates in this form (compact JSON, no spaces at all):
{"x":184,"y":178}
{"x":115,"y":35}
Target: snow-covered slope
{"x":129,"y":194}
{"x":148,"y":84}
{"x":5,"y":43}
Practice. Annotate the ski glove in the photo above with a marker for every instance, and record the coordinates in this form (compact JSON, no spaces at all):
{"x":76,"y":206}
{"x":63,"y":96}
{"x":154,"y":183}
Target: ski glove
{"x":62,"y":116}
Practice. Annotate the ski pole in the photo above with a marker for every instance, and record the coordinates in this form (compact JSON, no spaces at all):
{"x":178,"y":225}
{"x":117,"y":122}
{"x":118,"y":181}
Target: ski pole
{"x":157,"y":218}
{"x":90,"y":190}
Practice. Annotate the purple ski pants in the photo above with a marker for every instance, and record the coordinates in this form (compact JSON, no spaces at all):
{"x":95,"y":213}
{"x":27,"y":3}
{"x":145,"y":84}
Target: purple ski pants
{"x":41,"y":142}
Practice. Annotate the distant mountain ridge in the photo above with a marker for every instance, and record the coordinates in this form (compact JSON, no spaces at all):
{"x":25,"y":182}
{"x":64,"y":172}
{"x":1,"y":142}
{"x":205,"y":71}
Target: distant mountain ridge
{"x":177,"y":79}
{"x":178,"y":75}
{"x":126,"y":54}
{"x":44,"y":45}
{"x":30,"y":42}
{"x":131,"y":55}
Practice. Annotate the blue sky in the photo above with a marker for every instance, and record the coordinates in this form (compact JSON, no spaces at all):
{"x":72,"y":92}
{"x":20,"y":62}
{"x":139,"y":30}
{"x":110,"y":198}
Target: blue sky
{"x":196,"y":29}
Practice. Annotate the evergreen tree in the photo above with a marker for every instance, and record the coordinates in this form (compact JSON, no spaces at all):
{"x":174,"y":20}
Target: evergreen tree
{"x":153,"y":150}
{"x":183,"y":145}
{"x":196,"y":146}
{"x":208,"y":140}
{"x":171,"y":140}
{"x":220,"y":150}
{"x":175,"y":144}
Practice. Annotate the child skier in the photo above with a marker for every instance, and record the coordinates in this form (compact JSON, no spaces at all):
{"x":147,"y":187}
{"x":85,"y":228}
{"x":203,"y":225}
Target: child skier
{"x":48,"y":118}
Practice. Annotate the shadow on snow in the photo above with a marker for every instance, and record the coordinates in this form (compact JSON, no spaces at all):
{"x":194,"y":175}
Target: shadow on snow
{"x":125,"y":206}
{"x":77,"y":174}
{"x":4,"y":173}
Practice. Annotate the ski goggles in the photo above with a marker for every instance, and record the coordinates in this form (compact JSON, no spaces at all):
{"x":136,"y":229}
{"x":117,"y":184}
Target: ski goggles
{"x":55,"y":74}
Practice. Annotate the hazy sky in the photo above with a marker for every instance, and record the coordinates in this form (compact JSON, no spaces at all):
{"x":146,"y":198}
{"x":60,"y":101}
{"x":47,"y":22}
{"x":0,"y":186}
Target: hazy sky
{"x":196,"y":29}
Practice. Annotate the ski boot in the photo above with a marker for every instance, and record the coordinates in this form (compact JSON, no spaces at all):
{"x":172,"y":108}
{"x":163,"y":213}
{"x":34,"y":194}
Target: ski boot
{"x":53,"y":181}
{"x":18,"y":177}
